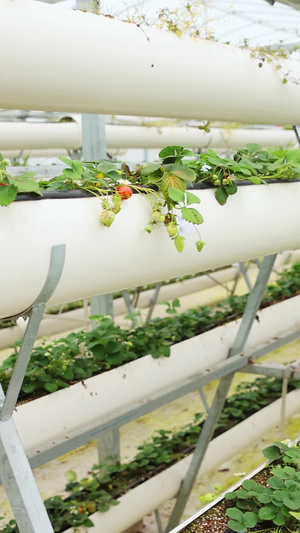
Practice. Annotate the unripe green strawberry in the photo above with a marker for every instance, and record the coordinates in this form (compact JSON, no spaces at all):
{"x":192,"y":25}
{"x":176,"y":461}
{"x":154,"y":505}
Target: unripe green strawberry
{"x":117,"y":199}
{"x":179,"y":243}
{"x":107,"y":217}
{"x":149,"y":228}
{"x":116,"y":208}
{"x":217,"y":182}
{"x":161,"y":218}
{"x":106,"y":204}
{"x":199,"y":245}
{"x":172,"y":229}
{"x":156,"y":215}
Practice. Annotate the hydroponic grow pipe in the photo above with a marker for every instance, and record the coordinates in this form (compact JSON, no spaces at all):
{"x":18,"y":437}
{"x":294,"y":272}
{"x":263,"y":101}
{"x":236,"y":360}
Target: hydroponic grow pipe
{"x":122,"y":68}
{"x":68,"y":136}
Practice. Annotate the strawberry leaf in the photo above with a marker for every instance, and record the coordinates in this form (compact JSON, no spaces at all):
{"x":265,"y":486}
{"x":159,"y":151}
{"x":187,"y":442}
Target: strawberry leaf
{"x":7,"y":194}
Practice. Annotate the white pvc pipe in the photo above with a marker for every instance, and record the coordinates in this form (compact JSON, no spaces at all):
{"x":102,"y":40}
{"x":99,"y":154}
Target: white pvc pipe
{"x":127,"y":385}
{"x":53,"y":324}
{"x":121,"y":68}
{"x":259,"y":220}
{"x":158,"y":137}
{"x":148,"y":496}
{"x":42,"y":137}
{"x":28,"y":135}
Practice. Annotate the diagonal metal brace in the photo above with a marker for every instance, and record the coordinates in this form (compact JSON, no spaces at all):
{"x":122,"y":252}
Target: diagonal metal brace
{"x":206,"y":434}
{"x":35,"y":316}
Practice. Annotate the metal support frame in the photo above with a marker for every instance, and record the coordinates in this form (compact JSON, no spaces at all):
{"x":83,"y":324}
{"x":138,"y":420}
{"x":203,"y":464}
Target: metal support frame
{"x":109,"y":446}
{"x":16,"y":474}
{"x":153,"y":300}
{"x":206,"y":434}
{"x":108,"y":429}
{"x":162,"y":397}
{"x":243,"y":271}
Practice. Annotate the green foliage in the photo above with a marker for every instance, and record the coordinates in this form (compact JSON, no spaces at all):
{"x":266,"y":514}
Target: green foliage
{"x":163,"y":183}
{"x":58,"y":363}
{"x":252,"y":164}
{"x":274,"y":502}
{"x":107,"y":481}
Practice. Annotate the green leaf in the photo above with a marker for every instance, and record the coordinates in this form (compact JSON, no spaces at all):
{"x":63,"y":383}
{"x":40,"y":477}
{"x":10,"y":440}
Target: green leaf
{"x":249,"y":484}
{"x":250,"y":519}
{"x":103,"y":507}
{"x":254,"y":179}
{"x":230,"y":496}
{"x":295,"y":515}
{"x":169,"y":151}
{"x":71,"y":475}
{"x":192,"y":198}
{"x":291,"y":504}
{"x":221,"y":195}
{"x":276,"y":483}
{"x":272,"y":453}
{"x":176,"y":194}
{"x":231,"y":189}
{"x":266,"y":513}
{"x":77,"y":165}
{"x":254,"y":148}
{"x":7,"y":194}
{"x":170,"y":180}
{"x":29,"y":388}
{"x":293,"y":156}
{"x":51,"y":387}
{"x":106,"y":167}
{"x":88,"y":522}
{"x":235,"y":513}
{"x":191,"y":215}
{"x":181,"y":171}
{"x":66,"y":161}
{"x":151,"y":168}
{"x":237,"y":526}
{"x":25,"y":183}
{"x":165,"y":351}
{"x":265,"y":497}
{"x":279,"y":518}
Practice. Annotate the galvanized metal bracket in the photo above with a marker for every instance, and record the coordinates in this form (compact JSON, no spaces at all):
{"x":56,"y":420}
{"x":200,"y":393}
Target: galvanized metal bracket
{"x":206,"y":434}
{"x":16,"y":474}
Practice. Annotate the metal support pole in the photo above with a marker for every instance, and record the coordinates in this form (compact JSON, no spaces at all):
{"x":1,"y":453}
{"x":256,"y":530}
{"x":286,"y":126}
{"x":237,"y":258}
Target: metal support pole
{"x":109,"y":446}
{"x":284,"y":391}
{"x":153,"y":300}
{"x":158,"y":521}
{"x":16,"y":474}
{"x":204,"y":399}
{"x":206,"y":434}
{"x":36,"y":314}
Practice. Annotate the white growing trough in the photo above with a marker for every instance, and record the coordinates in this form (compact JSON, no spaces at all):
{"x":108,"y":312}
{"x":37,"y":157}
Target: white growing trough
{"x":89,"y":75}
{"x":103,"y":397}
{"x":257,"y":221}
{"x":37,"y":136}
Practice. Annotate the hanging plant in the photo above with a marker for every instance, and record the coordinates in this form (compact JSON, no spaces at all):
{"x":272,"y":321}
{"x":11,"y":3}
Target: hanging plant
{"x":166,"y":183}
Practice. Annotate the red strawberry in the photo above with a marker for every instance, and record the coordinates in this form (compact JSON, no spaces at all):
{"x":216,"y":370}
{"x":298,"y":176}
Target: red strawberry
{"x":124,"y":191}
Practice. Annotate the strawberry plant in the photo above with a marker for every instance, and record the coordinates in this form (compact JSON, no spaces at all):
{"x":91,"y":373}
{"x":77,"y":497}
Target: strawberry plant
{"x":58,"y":363}
{"x":164,"y":184}
{"x":106,"y":482}
{"x":274,"y":502}
{"x":167,"y":184}
{"x":252,"y":164}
